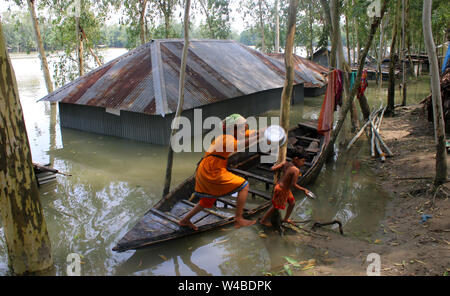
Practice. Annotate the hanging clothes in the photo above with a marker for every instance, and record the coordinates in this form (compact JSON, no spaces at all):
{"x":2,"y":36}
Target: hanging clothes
{"x":363,"y":85}
{"x":329,"y":105}
{"x":338,"y":89}
{"x":446,"y":63}
{"x":352,"y":79}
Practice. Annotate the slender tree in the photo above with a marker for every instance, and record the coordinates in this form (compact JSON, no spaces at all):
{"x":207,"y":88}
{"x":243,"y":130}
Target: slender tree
{"x":393,"y":58}
{"x":277,"y":28}
{"x":40,"y":45}
{"x":403,"y":54}
{"x":180,"y":96}
{"x":439,"y":125}
{"x":166,"y":7}
{"x":142,"y":29}
{"x":286,"y":94}
{"x":261,"y":27}
{"x":347,"y":103}
{"x":80,"y":47}
{"x":217,"y":13}
{"x":23,"y":221}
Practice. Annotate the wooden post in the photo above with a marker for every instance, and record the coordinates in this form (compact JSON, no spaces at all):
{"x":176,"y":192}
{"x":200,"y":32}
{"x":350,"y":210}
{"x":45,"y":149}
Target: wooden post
{"x":439,"y":126}
{"x":23,"y":221}
{"x":180,"y":96}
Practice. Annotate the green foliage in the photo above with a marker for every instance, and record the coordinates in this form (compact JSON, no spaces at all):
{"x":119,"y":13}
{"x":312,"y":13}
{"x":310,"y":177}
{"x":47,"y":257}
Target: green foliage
{"x":217,"y":23}
{"x":18,"y":31}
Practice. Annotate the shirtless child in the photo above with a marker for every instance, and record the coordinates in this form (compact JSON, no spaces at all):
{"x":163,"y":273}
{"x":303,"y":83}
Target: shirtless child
{"x":282,"y":192}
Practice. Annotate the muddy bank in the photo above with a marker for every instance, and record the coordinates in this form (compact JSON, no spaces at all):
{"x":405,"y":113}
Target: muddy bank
{"x":406,"y":244}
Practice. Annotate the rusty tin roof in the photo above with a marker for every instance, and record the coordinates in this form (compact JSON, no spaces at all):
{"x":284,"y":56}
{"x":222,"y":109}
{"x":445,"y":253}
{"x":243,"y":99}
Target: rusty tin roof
{"x":146,"y":79}
{"x":312,"y":73}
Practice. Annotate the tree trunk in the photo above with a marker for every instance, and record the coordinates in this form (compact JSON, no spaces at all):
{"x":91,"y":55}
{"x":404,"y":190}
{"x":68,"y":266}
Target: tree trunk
{"x":353,"y":110}
{"x":347,"y":35}
{"x":327,"y":18}
{"x":261,"y":24}
{"x":142,"y":31}
{"x":311,"y":32}
{"x":334,"y":6}
{"x":380,"y":56}
{"x":166,"y":24}
{"x":208,"y":18}
{"x":392,"y":62}
{"x":26,"y":235}
{"x":80,"y":49}
{"x":180,"y":97}
{"x":40,"y":47}
{"x":342,"y":65}
{"x":439,"y":126}
{"x":286,"y":95}
{"x":403,"y":54}
{"x":277,"y":28}
{"x":408,"y":39}
{"x":347,"y":103}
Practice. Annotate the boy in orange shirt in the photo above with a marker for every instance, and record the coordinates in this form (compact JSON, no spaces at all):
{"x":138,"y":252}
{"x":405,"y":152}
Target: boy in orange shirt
{"x":212,"y":178}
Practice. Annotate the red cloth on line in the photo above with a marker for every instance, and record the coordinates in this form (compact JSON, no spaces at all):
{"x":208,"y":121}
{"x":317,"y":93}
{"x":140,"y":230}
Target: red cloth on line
{"x":332,"y":97}
{"x":363,"y":85}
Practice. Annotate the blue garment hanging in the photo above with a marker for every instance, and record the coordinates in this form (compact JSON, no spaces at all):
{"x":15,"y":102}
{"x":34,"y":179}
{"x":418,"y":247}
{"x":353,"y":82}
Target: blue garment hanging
{"x":446,"y":64}
{"x":352,"y":79}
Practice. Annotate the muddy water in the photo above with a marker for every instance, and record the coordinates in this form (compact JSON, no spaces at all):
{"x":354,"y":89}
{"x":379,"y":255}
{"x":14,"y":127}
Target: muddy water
{"x":116,"y":181}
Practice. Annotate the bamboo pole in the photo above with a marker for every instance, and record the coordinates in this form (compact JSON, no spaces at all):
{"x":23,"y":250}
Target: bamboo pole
{"x":180,"y":97}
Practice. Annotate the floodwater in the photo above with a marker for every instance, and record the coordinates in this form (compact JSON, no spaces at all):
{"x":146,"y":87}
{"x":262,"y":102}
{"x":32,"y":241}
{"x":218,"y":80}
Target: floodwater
{"x":115,"y":181}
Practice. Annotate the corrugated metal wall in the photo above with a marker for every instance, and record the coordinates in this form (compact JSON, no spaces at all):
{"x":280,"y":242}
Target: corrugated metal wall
{"x":156,"y":129}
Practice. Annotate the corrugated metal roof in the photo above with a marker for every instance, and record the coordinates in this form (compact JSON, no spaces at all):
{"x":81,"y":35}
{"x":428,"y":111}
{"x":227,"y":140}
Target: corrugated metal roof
{"x":146,"y":79}
{"x":312,"y":73}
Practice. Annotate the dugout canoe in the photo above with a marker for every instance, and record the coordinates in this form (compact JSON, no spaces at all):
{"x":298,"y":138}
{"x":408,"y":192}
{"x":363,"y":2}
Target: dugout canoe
{"x":160,"y":223}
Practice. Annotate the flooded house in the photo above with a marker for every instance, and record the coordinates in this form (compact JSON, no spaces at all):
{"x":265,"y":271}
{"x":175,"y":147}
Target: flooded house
{"x":314,"y":75}
{"x":322,"y":57}
{"x":135,"y":95}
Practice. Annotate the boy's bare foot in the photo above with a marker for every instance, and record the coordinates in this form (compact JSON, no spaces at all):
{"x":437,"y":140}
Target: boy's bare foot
{"x":265,"y":223}
{"x":241,"y":222}
{"x":189,"y":224}
{"x":288,"y":221}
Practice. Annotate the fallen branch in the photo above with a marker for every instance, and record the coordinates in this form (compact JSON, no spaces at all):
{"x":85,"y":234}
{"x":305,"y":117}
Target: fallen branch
{"x":389,"y":152}
{"x":360,"y":132}
{"x":43,"y":168}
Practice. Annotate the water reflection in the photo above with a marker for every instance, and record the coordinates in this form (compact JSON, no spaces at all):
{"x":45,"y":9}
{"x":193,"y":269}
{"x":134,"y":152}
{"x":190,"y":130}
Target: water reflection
{"x":115,"y":181}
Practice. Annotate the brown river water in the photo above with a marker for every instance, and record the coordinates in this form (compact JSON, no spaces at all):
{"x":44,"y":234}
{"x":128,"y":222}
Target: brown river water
{"x":115,"y":181}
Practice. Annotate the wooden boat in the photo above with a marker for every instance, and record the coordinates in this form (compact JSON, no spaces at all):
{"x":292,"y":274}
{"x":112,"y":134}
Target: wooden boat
{"x":44,"y":173}
{"x":160,"y":223}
